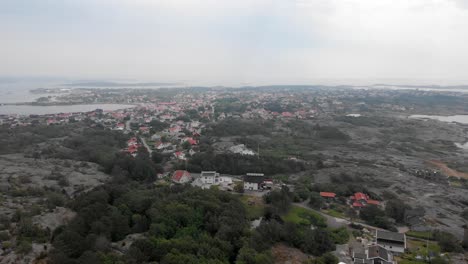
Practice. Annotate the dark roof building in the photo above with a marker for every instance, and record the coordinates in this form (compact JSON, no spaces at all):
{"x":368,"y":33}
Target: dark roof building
{"x":253,"y":181}
{"x":374,"y":254}
{"x":254,"y":177}
{"x":392,"y":241}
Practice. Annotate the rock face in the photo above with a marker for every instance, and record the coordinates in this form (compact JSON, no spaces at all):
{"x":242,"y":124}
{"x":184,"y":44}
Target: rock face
{"x":441,"y":204}
{"x":59,"y":216}
{"x":39,"y":189}
{"x":73,"y":177}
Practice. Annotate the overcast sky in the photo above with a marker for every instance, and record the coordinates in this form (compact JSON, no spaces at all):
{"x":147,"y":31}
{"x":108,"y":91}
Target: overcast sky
{"x":236,"y":41}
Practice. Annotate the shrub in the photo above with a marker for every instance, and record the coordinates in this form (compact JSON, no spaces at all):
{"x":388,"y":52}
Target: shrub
{"x":24,"y":247}
{"x":4,"y":235}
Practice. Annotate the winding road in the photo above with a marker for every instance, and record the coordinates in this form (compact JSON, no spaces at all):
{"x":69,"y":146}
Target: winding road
{"x":146,"y":146}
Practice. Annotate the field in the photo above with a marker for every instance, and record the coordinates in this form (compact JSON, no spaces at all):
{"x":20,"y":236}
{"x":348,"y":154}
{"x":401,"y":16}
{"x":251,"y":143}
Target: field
{"x":418,"y":250}
{"x":336,"y":210}
{"x":302,"y":216}
{"x":420,"y":234}
{"x":254,"y":206}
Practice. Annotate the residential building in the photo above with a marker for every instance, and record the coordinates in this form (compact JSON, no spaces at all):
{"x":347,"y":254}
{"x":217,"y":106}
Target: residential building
{"x":374,"y":254}
{"x":209,"y":177}
{"x":180,"y":155}
{"x":361,"y":200}
{"x":392,"y":241}
{"x":253,"y":181}
{"x":181,"y":176}
{"x":328,"y":195}
{"x":241,"y":149}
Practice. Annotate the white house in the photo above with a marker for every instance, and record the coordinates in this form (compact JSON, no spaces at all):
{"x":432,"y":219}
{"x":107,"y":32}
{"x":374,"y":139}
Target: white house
{"x":373,"y":254}
{"x":392,"y":241}
{"x":224,"y":180}
{"x":156,"y":137}
{"x":253,"y":181}
{"x":209,"y":177}
{"x":241,"y":149}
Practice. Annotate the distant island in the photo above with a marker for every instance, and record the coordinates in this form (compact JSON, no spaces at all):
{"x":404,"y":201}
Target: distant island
{"x":116,"y":84}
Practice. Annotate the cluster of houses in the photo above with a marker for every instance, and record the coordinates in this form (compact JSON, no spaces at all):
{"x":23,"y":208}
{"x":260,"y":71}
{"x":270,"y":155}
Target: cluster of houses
{"x":98,"y":116}
{"x":362,"y":200}
{"x":357,"y":200}
{"x":132,"y":146}
{"x":180,"y":138}
{"x":206,"y":179}
{"x":380,"y":251}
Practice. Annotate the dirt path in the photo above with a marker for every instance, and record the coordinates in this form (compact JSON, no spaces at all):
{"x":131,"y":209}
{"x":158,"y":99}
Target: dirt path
{"x":446,"y":170}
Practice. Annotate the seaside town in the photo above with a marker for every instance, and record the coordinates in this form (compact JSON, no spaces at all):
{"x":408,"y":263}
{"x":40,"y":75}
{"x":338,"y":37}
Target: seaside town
{"x":295,"y":146}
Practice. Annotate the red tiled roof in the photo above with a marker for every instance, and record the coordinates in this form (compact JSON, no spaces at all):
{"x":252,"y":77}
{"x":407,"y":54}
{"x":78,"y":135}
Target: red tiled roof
{"x":191,"y":141}
{"x":360,"y":196}
{"x":178,"y":174}
{"x":358,"y":204}
{"x":374,"y":202}
{"x":328,"y":194}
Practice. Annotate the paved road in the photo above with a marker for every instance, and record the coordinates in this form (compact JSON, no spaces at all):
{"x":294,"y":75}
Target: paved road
{"x":146,"y":146}
{"x":127,"y":125}
{"x":335,"y":222}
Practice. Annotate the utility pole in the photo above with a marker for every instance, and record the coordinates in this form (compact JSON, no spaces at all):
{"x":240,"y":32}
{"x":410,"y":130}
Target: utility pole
{"x":258,"y":150}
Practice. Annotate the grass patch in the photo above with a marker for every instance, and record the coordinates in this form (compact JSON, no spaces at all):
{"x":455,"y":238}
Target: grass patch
{"x":421,"y":249}
{"x":407,"y":261}
{"x":254,"y":205}
{"x":421,"y":234}
{"x":458,"y":183}
{"x":334,"y":213}
{"x":303,"y":216}
{"x":340,"y":235}
{"x":421,"y":246}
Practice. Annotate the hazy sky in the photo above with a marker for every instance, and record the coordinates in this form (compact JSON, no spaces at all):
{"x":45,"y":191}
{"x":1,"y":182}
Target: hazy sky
{"x":235,"y":41}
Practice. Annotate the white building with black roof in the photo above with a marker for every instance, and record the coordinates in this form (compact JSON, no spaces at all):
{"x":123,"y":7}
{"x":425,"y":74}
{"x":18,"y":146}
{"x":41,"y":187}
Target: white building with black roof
{"x":209,"y":177}
{"x":253,"y":181}
{"x":373,"y":254}
{"x":392,"y":241}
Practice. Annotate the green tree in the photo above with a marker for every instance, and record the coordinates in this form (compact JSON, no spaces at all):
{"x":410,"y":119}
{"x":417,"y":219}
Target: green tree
{"x":157,"y":157}
{"x":317,"y":242}
{"x":186,"y":145}
{"x":70,"y":243}
{"x":120,"y":225}
{"x":280,"y":200}
{"x":158,"y":125}
{"x":239,"y":187}
{"x":396,"y":209}
{"x":24,"y":247}
{"x":447,"y":242}
{"x":315,"y":200}
{"x":248,"y":255}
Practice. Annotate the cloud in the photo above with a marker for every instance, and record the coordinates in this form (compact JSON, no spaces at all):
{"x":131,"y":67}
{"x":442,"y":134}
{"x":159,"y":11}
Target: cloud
{"x":217,"y":42}
{"x":462,"y":3}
